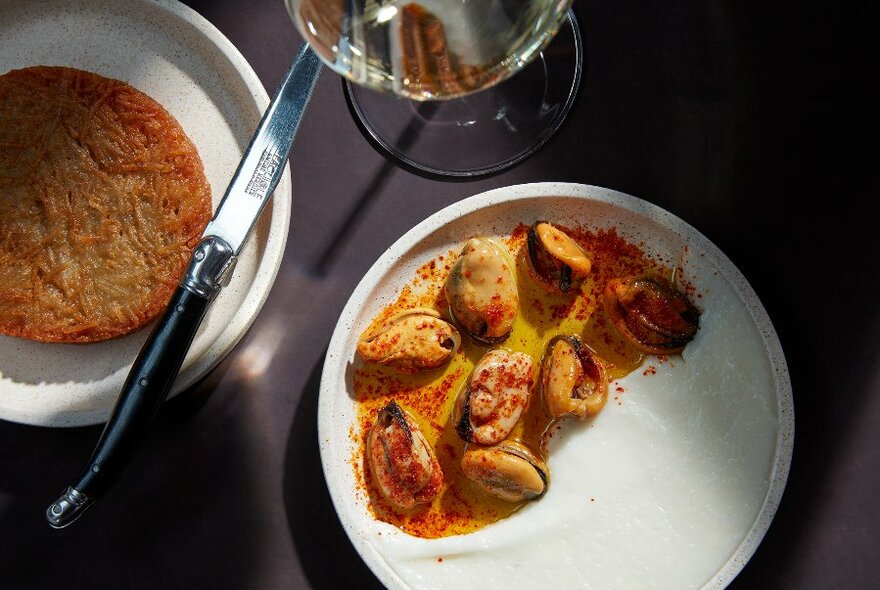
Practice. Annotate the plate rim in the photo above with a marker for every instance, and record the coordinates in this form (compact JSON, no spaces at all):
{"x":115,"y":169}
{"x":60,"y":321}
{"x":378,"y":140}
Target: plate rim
{"x":526,"y":192}
{"x":268,"y":262}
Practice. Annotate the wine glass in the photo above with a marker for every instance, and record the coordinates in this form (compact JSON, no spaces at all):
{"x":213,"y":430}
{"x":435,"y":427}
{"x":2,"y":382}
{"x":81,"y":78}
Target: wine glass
{"x":448,"y":102}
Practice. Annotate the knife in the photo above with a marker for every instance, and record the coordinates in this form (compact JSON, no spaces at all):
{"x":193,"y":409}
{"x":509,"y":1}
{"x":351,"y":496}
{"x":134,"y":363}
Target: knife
{"x":210,"y":268}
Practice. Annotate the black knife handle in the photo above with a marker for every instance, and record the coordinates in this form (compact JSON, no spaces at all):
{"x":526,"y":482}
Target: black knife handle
{"x":150,"y":378}
{"x":146,"y":387}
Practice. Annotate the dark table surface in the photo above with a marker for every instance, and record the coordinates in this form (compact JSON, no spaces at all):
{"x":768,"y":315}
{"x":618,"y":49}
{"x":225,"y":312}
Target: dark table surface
{"x":740,"y":119}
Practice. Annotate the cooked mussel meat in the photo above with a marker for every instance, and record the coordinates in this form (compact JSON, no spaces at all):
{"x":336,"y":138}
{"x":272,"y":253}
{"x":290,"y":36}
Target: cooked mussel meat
{"x":556,"y":261}
{"x":652,"y":313}
{"x":411,"y":341}
{"x":510,"y":471}
{"x":481,"y":291}
{"x":573,"y":379}
{"x":401,"y":461}
{"x":498,"y":391}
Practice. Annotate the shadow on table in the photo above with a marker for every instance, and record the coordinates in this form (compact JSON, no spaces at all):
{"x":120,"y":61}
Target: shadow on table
{"x":139,"y":535}
{"x":326,"y":556}
{"x":409,"y":135}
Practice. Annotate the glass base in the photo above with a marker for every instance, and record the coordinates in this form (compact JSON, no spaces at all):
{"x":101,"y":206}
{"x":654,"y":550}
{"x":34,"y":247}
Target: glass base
{"x":485,"y":132}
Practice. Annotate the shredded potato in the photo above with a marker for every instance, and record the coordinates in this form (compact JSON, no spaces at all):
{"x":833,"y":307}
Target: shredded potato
{"x":102,"y":197}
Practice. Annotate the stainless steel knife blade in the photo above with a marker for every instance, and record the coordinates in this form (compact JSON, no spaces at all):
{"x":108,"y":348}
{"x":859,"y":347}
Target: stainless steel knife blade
{"x":263,"y":163}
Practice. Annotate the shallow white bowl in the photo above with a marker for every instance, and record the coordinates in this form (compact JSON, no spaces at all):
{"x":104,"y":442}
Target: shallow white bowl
{"x":674,"y":488}
{"x":168,"y":51}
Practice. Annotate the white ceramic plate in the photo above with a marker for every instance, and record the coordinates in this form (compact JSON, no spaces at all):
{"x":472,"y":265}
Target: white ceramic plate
{"x":175,"y":56}
{"x":685,"y":475}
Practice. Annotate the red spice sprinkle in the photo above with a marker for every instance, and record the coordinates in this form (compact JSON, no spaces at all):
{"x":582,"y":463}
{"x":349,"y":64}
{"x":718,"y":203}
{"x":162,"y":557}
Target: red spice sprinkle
{"x":619,"y":389}
{"x":439,"y":560}
{"x":449,"y":450}
{"x":520,"y":232}
{"x":538,"y":306}
{"x":561,"y":310}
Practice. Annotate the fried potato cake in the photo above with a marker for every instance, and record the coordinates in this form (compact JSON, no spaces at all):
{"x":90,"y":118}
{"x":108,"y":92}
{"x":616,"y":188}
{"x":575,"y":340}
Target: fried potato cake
{"x":102,"y":198}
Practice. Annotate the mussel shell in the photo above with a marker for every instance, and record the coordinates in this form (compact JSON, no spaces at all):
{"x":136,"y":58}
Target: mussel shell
{"x":547,"y":265}
{"x":411,"y":341}
{"x":510,"y":471}
{"x":651,"y":313}
{"x":574,"y":381}
{"x":401,"y":461}
{"x":482,"y":293}
{"x":498,"y":391}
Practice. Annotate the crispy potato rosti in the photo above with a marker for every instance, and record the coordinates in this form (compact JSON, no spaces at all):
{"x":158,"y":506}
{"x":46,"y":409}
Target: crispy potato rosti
{"x":102,"y":197}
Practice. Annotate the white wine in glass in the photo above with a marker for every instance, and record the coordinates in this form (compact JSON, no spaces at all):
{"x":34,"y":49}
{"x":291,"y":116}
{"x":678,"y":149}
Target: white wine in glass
{"x":434,"y":50}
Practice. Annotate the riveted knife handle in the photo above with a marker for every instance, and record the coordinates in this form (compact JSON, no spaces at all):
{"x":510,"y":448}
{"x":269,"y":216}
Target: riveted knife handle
{"x":149,"y":380}
{"x":146,"y":387}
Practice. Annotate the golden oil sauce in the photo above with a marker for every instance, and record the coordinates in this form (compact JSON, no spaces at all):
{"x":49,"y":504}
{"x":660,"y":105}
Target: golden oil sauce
{"x":430,"y":396}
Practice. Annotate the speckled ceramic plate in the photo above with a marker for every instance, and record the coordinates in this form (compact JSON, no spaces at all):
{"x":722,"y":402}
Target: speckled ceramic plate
{"x":672,"y":487}
{"x":175,"y":56}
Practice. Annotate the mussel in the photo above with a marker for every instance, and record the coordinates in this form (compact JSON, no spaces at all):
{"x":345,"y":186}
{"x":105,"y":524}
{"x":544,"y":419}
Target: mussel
{"x":494,"y":399}
{"x":573,"y":379}
{"x":510,"y":471}
{"x":651,"y":313}
{"x":411,"y":341}
{"x":556,"y":261}
{"x":401,"y":460}
{"x":481,"y":291}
